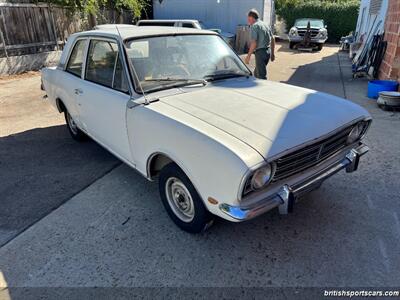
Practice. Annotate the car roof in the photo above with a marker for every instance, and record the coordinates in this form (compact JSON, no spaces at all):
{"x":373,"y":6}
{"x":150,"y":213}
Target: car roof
{"x":112,"y":26}
{"x":167,"y":20}
{"x":126,"y":32}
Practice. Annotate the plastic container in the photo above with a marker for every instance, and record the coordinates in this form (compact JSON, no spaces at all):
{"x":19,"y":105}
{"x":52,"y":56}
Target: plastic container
{"x":376,"y":86}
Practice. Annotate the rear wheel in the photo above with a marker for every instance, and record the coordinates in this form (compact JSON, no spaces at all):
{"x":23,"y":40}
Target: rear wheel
{"x":73,"y":129}
{"x":181,"y":200}
{"x":291,"y":45}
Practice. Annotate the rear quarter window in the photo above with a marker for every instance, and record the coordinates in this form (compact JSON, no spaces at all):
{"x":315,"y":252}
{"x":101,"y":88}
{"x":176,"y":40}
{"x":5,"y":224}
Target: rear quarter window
{"x":75,"y":62}
{"x":171,"y":24}
{"x":188,"y":25}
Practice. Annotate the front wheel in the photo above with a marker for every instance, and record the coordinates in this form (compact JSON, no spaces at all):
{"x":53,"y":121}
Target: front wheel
{"x":320,"y":46}
{"x":181,"y":200}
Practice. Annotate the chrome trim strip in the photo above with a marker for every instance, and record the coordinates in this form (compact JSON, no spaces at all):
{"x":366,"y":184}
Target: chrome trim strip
{"x":284,"y":198}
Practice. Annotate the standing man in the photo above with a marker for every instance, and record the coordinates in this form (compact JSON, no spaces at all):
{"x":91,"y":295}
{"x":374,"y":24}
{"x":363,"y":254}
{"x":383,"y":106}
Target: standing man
{"x":262,"y":44}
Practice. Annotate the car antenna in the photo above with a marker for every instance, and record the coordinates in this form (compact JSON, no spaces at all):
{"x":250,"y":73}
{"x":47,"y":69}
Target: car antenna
{"x":146,"y":101}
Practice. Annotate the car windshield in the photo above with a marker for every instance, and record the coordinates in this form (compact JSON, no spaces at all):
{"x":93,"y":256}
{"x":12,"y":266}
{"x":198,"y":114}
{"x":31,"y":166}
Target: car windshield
{"x":313,"y":23}
{"x":168,"y":61}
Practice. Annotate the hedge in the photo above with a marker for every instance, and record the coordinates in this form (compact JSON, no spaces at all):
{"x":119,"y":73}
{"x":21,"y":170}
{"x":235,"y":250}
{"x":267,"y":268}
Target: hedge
{"x":340,"y":17}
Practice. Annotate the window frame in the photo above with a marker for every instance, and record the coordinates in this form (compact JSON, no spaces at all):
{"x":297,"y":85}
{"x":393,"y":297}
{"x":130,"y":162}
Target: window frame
{"x":119,"y":55}
{"x":77,"y":40}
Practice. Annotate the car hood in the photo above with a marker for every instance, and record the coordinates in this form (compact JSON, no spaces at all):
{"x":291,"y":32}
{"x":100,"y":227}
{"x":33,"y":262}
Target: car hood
{"x":270,"y":117}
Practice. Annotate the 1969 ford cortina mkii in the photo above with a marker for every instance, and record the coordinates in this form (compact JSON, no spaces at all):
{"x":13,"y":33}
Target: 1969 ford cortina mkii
{"x":179,"y":105}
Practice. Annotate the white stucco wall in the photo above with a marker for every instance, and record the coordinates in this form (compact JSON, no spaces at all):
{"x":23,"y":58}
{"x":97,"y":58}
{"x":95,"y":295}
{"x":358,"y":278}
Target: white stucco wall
{"x":28,"y":62}
{"x":222,"y":14}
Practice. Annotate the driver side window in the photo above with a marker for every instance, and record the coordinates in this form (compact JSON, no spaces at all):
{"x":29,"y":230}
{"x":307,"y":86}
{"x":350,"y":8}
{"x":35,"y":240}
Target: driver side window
{"x":104,"y":65}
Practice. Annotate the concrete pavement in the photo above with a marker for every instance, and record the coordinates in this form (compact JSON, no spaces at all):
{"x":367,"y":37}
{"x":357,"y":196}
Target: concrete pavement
{"x":40,"y":165}
{"x":116,"y":232}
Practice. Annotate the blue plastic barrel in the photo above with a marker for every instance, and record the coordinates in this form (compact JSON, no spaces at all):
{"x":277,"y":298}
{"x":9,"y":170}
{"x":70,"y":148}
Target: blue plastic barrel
{"x":376,"y":86}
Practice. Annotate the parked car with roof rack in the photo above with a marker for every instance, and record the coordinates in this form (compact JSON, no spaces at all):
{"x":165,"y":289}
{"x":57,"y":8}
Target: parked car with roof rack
{"x":178,"y":105}
{"x":228,"y":37}
{"x":318,"y":32}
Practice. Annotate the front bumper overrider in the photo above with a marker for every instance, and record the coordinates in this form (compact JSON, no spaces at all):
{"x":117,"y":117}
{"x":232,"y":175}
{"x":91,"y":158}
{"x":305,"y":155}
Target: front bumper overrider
{"x":286,"y":195}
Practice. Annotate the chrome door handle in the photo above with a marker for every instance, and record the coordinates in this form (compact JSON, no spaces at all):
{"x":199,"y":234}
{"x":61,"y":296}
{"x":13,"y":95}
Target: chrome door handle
{"x":78,"y":91}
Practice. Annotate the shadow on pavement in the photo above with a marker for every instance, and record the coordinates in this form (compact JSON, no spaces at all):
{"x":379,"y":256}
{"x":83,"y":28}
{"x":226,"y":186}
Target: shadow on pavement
{"x":39,"y":170}
{"x":324,"y":76}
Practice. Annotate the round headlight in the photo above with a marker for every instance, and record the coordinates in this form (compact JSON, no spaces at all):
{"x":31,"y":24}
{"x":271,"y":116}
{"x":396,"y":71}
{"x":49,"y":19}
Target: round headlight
{"x":293,"y":31}
{"x":355,"y":133}
{"x":261,"y":177}
{"x":323,"y":32}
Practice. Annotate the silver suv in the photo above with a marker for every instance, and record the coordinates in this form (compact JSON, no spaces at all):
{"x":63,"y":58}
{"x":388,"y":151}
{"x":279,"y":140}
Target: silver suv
{"x":319,"y":33}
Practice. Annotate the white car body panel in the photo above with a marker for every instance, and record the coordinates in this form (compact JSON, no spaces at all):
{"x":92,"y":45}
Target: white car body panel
{"x":102,"y":115}
{"x":216,"y":133}
{"x":199,"y":149}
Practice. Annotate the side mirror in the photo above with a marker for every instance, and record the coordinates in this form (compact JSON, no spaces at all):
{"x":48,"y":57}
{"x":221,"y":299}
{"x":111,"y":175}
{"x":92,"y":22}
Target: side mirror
{"x":326,"y":26}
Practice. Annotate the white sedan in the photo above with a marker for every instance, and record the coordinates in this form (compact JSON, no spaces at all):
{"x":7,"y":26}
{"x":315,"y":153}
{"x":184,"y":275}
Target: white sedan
{"x":179,"y":105}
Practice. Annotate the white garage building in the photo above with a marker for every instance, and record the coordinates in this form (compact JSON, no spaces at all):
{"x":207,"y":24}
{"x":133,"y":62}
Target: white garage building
{"x":223,"y":14}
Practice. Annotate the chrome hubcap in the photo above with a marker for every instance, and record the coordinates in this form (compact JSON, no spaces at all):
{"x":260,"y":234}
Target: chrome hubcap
{"x":72,"y":125}
{"x":179,"y":199}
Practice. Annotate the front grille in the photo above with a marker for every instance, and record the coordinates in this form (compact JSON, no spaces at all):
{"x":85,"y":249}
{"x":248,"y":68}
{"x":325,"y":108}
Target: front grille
{"x":314,"y":33}
{"x":311,"y":155}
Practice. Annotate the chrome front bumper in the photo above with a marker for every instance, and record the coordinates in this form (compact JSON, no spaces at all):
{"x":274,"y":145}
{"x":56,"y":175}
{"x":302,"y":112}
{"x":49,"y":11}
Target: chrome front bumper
{"x":298,"y":39}
{"x":286,"y":196}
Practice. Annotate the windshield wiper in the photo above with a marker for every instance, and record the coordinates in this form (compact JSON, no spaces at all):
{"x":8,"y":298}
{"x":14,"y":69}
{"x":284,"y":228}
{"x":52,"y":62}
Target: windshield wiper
{"x":174,"y":82}
{"x":171,"y":79}
{"x":226,"y":75}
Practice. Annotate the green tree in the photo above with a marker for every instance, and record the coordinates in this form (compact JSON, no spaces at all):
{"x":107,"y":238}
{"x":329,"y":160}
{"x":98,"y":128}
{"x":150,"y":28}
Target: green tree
{"x":93,"y":6}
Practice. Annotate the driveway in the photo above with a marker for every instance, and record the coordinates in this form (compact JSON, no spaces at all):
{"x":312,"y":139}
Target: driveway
{"x":40,"y":165}
{"x":115,"y":232}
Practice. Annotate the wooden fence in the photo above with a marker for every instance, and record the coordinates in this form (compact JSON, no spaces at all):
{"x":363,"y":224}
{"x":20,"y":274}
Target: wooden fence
{"x":27,"y":28}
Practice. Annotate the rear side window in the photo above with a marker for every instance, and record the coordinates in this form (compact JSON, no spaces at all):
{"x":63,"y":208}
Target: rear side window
{"x":75,"y":62}
{"x":104,"y":65}
{"x":188,"y":25}
{"x":170,"y":24}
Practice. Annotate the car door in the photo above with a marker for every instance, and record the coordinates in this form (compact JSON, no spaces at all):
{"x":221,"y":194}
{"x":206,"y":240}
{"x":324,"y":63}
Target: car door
{"x":72,"y":78}
{"x":103,"y":97}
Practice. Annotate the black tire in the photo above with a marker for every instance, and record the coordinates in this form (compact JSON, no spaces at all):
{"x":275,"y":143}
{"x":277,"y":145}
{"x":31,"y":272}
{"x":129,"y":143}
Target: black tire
{"x":73,"y":129}
{"x":384,"y":107}
{"x":291,"y":45}
{"x":202,"y":218}
{"x":320,"y":46}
